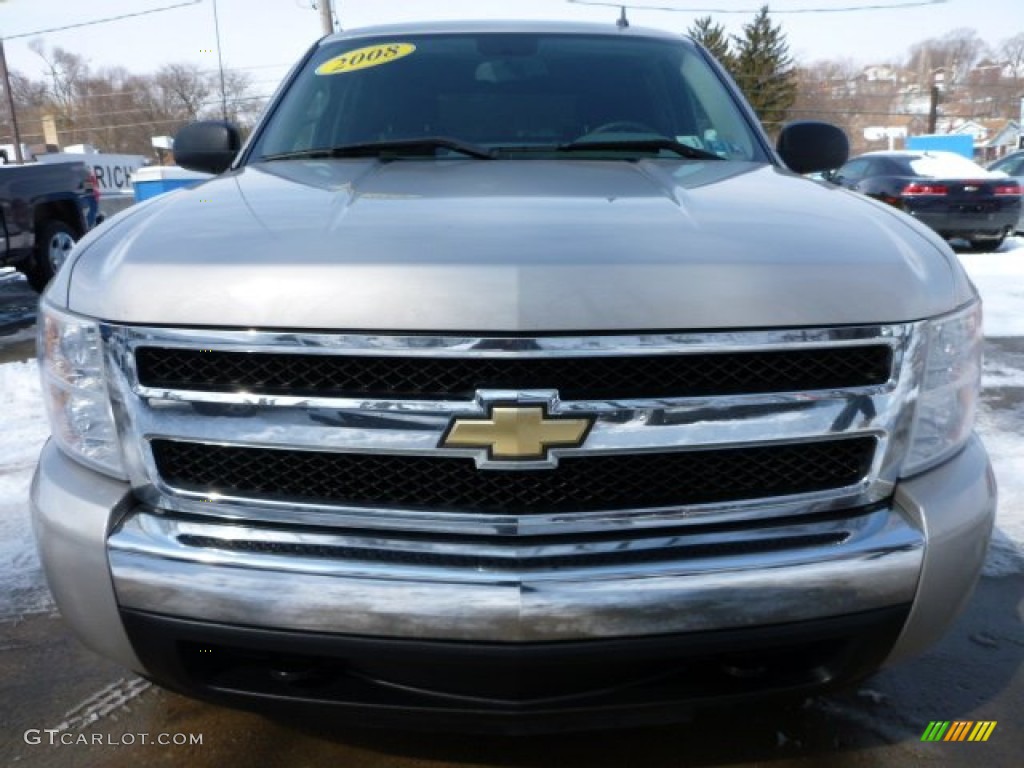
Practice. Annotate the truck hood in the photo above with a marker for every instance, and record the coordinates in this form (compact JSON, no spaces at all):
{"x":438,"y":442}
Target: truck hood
{"x":513,"y":245}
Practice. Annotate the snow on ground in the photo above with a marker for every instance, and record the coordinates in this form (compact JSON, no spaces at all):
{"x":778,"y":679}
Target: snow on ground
{"x":19,"y":335}
{"x":999,"y":276}
{"x":1000,"y":280}
{"x":1003,"y":435}
{"x":22,"y":588}
{"x":997,"y":375}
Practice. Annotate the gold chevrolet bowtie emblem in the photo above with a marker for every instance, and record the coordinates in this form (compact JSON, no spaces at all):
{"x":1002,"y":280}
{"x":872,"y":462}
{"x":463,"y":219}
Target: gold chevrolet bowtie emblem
{"x":513,"y":432}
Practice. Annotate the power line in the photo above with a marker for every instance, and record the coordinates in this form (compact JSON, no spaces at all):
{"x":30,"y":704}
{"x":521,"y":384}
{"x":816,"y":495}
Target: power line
{"x":79,"y":130}
{"x":826,"y":9}
{"x":89,"y":116}
{"x":145,"y":92}
{"x":101,"y":21}
{"x":159,"y":121}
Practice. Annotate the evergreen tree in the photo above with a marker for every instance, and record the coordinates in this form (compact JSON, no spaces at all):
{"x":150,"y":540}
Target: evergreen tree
{"x":713,"y":37}
{"x":764,"y":69}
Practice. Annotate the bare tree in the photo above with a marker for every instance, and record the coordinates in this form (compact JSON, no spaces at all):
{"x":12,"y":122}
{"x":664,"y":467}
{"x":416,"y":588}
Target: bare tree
{"x":243,"y":107}
{"x":65,"y":73}
{"x":1011,"y":53}
{"x":182,"y":89}
{"x":28,"y":92}
{"x":118,"y":111}
{"x":966,"y":49}
{"x":189,"y":93}
{"x":955,"y":53}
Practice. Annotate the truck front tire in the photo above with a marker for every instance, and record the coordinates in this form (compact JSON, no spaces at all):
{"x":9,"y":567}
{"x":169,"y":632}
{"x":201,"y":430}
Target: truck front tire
{"x":54,"y":241}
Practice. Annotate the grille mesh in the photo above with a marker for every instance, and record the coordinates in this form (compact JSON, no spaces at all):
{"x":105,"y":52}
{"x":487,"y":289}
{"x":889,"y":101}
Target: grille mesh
{"x":578,"y":484}
{"x":587,"y":378}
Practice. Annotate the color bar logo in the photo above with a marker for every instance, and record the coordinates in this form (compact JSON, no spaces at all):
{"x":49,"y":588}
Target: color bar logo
{"x":958,"y":730}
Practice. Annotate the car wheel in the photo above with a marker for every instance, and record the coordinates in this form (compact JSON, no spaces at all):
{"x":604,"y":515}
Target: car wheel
{"x":54,"y":241}
{"x":987,"y":244}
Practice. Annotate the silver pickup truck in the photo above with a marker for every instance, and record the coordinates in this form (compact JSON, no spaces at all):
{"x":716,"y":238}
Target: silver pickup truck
{"x":508,"y":377}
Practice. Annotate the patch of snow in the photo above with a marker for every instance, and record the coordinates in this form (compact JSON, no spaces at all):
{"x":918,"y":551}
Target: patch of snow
{"x":1001,"y":431}
{"x":995,"y":375}
{"x":782,"y":740}
{"x":999,"y":277}
{"x":19,"y":335}
{"x":110,"y":699}
{"x":875,"y":697}
{"x":984,"y":639}
{"x":24,"y":431}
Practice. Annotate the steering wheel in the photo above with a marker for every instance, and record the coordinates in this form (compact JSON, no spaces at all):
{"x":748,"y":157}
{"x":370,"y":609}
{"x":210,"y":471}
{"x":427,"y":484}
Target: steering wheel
{"x":621,"y":126}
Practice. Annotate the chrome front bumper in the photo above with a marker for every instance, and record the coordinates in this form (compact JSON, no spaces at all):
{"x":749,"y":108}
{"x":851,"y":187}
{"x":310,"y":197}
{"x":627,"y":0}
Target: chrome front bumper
{"x":277,"y":581}
{"x":102,"y":554}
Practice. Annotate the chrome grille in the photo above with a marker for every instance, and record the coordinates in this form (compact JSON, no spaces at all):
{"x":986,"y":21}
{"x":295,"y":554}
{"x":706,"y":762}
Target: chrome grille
{"x":703,"y":427}
{"x":580,"y":484}
{"x":575,"y":378}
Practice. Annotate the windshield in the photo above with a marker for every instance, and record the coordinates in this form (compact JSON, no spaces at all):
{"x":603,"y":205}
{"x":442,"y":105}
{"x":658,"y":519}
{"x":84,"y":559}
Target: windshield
{"x":508,"y":95}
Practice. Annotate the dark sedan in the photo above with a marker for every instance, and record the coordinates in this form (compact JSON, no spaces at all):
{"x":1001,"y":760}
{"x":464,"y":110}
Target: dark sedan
{"x":952,"y":195}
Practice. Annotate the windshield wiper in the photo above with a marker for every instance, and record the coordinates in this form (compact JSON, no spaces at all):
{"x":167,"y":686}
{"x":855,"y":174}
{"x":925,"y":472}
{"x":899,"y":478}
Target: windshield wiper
{"x":384,"y":149}
{"x":639,"y":145}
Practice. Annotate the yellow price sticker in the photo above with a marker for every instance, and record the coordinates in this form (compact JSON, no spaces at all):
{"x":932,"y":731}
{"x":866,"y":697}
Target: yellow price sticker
{"x":362,"y":58}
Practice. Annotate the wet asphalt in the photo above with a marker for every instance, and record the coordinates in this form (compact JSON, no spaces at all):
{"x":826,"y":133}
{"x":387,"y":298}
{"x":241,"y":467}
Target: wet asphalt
{"x":105,"y":714}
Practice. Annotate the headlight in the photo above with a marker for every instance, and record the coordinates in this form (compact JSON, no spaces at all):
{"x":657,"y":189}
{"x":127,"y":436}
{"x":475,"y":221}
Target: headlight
{"x":75,"y":390}
{"x":945,"y":409}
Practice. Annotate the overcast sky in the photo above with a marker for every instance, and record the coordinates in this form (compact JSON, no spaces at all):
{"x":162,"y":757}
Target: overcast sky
{"x":263,"y":37}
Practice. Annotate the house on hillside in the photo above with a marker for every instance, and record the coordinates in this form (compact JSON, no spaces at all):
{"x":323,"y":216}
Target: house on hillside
{"x":1004,"y":137}
{"x":993,"y":137}
{"x":880,"y":72}
{"x":970,"y":127}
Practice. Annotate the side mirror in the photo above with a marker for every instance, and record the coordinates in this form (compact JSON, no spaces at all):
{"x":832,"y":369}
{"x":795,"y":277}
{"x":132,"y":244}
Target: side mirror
{"x":207,"y":146}
{"x":808,"y":146}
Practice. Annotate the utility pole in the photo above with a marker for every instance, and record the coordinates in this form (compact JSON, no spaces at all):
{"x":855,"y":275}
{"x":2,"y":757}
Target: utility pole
{"x":326,"y":16}
{"x":933,"y":108}
{"x":1020,"y":126}
{"x":938,"y":76}
{"x":10,"y":103}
